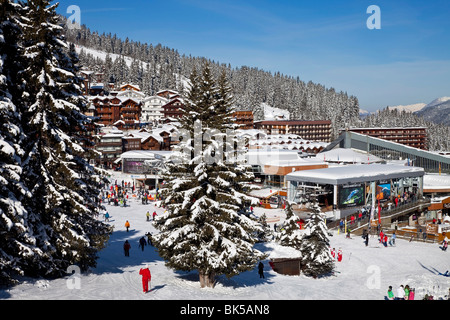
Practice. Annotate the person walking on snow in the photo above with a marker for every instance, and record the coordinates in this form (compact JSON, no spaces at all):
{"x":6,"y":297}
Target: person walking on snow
{"x":261,"y":270}
{"x":339,"y":255}
{"x":127,"y":225}
{"x":154,"y":215}
{"x":146,"y":277}
{"x":142,"y":243}
{"x":126,"y":248}
{"x":148,"y":216}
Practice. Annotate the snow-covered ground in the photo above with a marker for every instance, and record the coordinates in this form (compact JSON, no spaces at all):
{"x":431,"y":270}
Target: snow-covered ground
{"x":364,"y":273}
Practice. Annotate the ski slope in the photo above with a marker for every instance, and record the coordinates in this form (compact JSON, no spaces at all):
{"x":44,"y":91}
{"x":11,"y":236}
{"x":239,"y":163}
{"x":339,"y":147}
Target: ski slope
{"x":364,"y":273}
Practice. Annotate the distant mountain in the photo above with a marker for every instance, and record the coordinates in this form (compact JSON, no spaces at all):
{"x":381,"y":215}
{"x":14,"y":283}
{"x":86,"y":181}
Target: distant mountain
{"x":363,"y":113}
{"x":409,"y":108}
{"x":437,"y":111}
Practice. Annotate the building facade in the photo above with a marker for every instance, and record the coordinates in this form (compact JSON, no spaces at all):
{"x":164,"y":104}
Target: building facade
{"x":244,"y":119}
{"x":173,"y":109}
{"x":309,"y":130}
{"x":152,"y":109}
{"x":415,"y":137}
{"x":124,"y":105}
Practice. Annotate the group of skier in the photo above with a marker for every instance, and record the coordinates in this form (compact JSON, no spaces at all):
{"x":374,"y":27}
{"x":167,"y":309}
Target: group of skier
{"x":382,"y":238}
{"x":337,"y":255}
{"x":403,"y":293}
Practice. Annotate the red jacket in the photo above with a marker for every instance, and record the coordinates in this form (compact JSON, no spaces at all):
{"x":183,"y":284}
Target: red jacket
{"x":145,"y":273}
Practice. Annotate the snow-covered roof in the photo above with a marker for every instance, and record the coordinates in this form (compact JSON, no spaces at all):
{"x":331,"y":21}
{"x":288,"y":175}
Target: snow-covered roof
{"x":296,"y":162}
{"x":144,"y":136}
{"x":253,"y":133}
{"x":145,"y":154}
{"x":347,"y":156}
{"x":167,"y":90}
{"x":257,"y":157}
{"x":148,"y":98}
{"x":355,"y":173}
{"x":130,"y":85}
{"x":264,"y":193}
{"x":436,"y":181}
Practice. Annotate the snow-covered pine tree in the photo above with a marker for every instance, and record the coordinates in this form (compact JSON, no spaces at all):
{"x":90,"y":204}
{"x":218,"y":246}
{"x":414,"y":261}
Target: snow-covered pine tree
{"x":290,"y":234}
{"x":315,"y":248}
{"x":203,"y":228}
{"x":17,"y":245}
{"x":266,"y":234}
{"x":64,"y":187}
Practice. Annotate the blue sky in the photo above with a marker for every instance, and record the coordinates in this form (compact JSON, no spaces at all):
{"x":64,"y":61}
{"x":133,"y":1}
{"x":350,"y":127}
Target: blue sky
{"x":406,"y":61}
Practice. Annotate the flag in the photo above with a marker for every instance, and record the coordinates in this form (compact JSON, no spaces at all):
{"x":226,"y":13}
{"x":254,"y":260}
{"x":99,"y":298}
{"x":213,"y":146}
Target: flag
{"x":439,"y":168}
{"x":408,"y":162}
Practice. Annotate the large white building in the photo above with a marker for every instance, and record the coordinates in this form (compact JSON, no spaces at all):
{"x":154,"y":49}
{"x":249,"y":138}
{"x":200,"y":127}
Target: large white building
{"x":152,"y":109}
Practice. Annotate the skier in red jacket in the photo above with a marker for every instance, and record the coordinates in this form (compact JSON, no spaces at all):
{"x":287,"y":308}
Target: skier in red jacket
{"x":146,"y":277}
{"x":339,"y":255}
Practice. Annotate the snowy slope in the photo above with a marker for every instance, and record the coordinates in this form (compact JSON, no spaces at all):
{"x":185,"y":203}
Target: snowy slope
{"x":438,"y":101}
{"x":98,"y":54}
{"x":271,"y":113}
{"x":365,"y":272}
{"x":437,"y":111}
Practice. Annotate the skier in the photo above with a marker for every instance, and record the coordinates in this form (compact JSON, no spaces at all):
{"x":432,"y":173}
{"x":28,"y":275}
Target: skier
{"x":333,"y":253}
{"x":146,"y":277}
{"x":142,"y":243}
{"x":126,"y":248}
{"x":261,"y":270}
{"x":148,"y":216}
{"x":366,"y":237}
{"x":339,"y":255}
{"x":154,"y":215}
{"x":444,"y":244}
{"x":392,"y":241}
{"x":127,"y":225}
{"x":106,"y":216}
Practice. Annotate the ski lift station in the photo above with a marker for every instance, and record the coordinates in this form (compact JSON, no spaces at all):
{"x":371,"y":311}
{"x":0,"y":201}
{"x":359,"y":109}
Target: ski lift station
{"x":344,"y":190}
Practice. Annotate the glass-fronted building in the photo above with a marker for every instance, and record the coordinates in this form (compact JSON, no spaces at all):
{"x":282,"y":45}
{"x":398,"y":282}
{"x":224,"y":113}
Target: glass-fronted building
{"x":344,"y":190}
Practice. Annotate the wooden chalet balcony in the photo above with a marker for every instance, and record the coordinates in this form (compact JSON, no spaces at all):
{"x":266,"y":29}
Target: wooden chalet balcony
{"x":130,"y":109}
